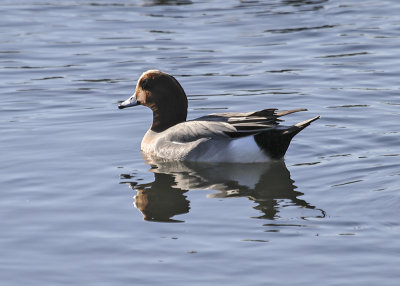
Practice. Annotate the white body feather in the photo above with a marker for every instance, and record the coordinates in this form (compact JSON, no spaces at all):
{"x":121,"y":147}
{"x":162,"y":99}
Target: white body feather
{"x":202,"y":142}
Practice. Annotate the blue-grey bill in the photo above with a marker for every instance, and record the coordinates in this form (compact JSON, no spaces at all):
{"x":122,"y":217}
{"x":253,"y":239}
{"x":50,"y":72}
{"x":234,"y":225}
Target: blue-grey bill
{"x":131,"y":101}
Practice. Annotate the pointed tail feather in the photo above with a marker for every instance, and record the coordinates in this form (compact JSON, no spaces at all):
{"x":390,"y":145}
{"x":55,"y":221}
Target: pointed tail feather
{"x":299,"y":126}
{"x":305,"y":123}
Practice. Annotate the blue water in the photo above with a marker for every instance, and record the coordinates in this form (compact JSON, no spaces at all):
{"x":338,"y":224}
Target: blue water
{"x":81,"y":206}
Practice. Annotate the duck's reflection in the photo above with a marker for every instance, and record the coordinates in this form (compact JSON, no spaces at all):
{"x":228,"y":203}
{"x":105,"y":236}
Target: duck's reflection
{"x":161,"y":200}
{"x":266,"y":184}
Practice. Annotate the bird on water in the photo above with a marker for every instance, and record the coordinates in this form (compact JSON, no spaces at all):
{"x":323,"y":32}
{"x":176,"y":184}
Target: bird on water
{"x":240,"y":137}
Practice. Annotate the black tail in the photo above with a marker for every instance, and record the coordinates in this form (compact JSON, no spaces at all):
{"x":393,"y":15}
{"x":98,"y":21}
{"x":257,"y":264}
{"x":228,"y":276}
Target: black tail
{"x":275,"y":142}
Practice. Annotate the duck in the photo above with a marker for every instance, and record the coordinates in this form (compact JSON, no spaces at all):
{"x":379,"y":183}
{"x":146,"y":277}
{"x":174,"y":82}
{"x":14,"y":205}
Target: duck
{"x":230,"y":137}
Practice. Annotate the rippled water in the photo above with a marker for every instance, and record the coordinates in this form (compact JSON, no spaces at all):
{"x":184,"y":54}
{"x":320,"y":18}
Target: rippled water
{"x":81,"y":206}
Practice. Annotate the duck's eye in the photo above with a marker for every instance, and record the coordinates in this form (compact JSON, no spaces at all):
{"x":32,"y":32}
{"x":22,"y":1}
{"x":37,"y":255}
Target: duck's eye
{"x":145,"y":84}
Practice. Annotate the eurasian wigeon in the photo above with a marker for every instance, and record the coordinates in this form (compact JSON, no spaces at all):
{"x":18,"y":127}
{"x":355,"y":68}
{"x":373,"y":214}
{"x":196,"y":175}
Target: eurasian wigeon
{"x":220,"y":137}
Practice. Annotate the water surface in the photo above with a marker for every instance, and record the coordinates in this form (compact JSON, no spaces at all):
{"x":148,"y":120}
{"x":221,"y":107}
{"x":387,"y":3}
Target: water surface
{"x":81,"y":206}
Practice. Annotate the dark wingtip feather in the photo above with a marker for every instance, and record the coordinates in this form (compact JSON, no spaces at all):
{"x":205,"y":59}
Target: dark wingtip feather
{"x":286,"y":112}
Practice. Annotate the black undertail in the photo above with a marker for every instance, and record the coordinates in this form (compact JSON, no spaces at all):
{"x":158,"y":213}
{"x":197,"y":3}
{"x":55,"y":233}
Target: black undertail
{"x":275,"y":142}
